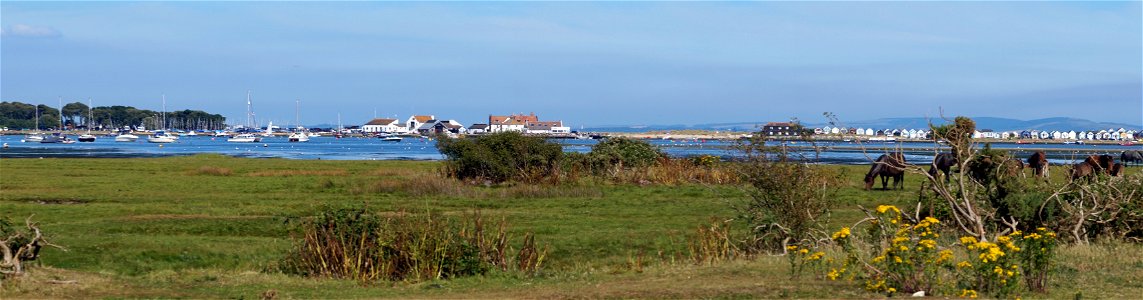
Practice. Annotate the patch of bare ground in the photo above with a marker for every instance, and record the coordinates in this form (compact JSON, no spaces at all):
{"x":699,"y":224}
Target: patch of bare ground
{"x":284,"y":173}
{"x":53,"y":283}
{"x":186,"y":217}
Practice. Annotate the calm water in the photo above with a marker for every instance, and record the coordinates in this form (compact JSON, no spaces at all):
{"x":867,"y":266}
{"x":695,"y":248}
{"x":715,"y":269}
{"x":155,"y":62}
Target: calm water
{"x":424,"y":149}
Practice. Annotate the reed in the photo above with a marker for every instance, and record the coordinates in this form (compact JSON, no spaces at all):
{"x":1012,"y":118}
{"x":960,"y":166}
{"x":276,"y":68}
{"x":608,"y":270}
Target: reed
{"x":362,"y":245}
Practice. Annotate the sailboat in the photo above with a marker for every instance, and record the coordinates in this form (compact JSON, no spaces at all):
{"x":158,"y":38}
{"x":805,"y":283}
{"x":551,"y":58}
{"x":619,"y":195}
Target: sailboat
{"x":299,"y":134}
{"x":35,"y":137}
{"x":58,"y":137}
{"x":88,"y":137}
{"x":162,"y":136}
{"x":247,"y":137}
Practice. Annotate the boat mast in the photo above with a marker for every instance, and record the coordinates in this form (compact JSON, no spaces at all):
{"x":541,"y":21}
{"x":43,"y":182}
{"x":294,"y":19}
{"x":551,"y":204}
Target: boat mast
{"x":249,"y":112}
{"x":297,"y":112}
{"x":37,"y":117}
{"x":90,"y":115}
{"x":164,"y":127}
{"x":61,"y":114}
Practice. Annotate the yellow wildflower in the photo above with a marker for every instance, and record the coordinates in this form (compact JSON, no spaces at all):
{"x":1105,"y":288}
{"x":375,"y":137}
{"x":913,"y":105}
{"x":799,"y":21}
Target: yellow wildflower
{"x":792,"y":247}
{"x":968,"y":293}
{"x":883,"y":208}
{"x":878,"y":259}
{"x":944,"y":255}
{"x":964,"y":264}
{"x":803,"y":251}
{"x":841,"y":234}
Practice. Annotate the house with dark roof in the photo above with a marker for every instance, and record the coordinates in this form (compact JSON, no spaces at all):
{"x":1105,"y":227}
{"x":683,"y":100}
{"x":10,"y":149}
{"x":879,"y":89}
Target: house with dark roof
{"x":781,"y":129}
{"x":478,"y":128}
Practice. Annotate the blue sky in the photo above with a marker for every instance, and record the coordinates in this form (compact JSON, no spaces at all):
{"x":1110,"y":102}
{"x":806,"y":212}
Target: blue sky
{"x":586,"y":63}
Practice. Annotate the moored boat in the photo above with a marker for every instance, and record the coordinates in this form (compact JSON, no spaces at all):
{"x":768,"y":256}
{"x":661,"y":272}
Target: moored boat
{"x":244,"y":138}
{"x":161,"y":137}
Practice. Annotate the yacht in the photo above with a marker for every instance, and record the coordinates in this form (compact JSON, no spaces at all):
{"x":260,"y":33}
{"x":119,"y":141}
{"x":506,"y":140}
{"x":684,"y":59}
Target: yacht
{"x":87,"y":138}
{"x":57,"y":138}
{"x":161,"y":136}
{"x":299,"y":136}
{"x":126,"y":137}
{"x":35,"y":137}
{"x":244,"y":138}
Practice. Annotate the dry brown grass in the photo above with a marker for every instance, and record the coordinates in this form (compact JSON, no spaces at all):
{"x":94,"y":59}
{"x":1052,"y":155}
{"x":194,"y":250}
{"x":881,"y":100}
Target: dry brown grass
{"x":284,"y":173}
{"x":212,"y":171}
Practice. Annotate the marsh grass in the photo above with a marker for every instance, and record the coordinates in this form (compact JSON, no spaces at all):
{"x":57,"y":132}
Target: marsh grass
{"x":283,"y":173}
{"x":145,"y":229}
{"x":212,"y":171}
{"x":365,"y":246}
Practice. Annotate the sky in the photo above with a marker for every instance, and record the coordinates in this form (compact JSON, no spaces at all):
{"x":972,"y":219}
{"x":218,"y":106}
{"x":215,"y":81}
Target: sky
{"x":585,"y":63}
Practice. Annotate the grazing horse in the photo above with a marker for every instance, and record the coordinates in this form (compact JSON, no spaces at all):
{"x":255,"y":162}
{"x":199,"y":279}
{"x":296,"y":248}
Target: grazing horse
{"x":1131,"y":156}
{"x":1039,"y":164}
{"x":1100,"y":163}
{"x":1116,"y":169}
{"x":1013,"y":167}
{"x":1083,"y":171}
{"x":942,"y":162}
{"x":887,"y":166}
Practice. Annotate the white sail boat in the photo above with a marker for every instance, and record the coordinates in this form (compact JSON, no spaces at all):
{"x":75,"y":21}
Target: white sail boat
{"x":88,"y":137}
{"x":35,"y":136}
{"x":162,"y":135}
{"x":299,"y":134}
{"x":247,"y":137}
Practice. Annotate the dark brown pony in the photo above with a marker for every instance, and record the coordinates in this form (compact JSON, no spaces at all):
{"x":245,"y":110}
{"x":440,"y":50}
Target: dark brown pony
{"x":1039,"y":164}
{"x":942,"y":162}
{"x":1116,"y":169}
{"x":1100,"y":163}
{"x":886,"y":166}
{"x":1131,"y":156}
{"x":1083,"y":171}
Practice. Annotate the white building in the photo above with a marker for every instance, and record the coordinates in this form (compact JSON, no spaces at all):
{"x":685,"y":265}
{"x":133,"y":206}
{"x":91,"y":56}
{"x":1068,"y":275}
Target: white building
{"x":383,"y":125}
{"x":416,"y":121}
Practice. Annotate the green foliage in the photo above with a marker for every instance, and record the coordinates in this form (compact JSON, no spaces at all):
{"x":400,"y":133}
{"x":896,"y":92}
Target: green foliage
{"x":359,"y":244}
{"x":19,"y":115}
{"x":623,"y":153}
{"x":789,"y":200}
{"x":501,"y":157}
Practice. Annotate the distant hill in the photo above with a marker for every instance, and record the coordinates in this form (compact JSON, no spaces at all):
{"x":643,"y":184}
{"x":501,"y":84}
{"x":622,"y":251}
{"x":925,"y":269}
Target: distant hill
{"x":993,"y":123}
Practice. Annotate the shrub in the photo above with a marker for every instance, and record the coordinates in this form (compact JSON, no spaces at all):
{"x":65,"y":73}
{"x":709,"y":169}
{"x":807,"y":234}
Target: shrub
{"x":789,"y":199}
{"x":615,"y":154}
{"x":356,"y":243}
{"x":501,"y":157}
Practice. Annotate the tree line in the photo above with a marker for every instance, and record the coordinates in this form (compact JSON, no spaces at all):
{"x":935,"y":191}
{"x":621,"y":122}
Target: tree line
{"x":17,"y":115}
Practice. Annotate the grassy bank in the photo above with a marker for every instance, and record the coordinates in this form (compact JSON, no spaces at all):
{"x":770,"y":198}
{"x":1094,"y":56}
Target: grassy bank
{"x":211,"y":226}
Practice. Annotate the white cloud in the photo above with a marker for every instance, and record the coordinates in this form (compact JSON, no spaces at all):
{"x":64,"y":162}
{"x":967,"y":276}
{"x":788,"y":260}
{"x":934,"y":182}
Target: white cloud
{"x":33,"y":31}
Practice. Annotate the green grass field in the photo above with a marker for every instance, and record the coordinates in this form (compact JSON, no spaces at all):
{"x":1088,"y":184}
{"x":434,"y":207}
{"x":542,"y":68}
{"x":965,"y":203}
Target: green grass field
{"x":211,"y":226}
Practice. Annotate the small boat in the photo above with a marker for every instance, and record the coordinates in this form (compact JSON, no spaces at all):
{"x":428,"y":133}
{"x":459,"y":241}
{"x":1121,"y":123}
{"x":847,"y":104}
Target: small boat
{"x":1127,"y":143}
{"x":33,"y":138}
{"x":191,"y":133}
{"x":161,"y":137}
{"x":244,"y":138}
{"x":391,"y":138}
{"x":87,"y":138}
{"x":57,"y":138}
{"x":1073,"y":142}
{"x":126,"y":137}
{"x":299,"y":136}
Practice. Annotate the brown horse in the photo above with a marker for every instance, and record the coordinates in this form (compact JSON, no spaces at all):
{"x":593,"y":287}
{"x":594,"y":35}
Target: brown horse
{"x":943,"y":162}
{"x":1083,"y":171}
{"x":1039,"y":164}
{"x":1100,"y":163}
{"x":1013,"y":167}
{"x":886,"y":166}
{"x":1116,"y":169}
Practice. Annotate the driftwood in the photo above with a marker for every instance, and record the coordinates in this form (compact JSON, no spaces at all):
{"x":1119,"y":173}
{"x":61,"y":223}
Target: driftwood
{"x":18,"y":248}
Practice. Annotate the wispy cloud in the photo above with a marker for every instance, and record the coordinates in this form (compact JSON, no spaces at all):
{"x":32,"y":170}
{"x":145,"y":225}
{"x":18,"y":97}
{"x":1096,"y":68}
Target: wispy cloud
{"x":29,"y":31}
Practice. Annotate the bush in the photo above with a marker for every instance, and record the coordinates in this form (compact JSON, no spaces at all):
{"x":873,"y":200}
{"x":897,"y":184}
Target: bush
{"x":623,"y":153}
{"x":359,"y":244}
{"x":501,"y":157}
{"x":789,"y":200}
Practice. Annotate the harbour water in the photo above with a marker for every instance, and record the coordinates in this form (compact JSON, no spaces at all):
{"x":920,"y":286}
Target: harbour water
{"x":425,"y":149}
